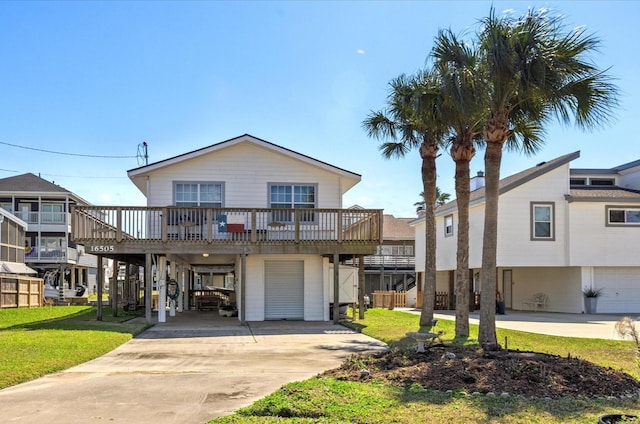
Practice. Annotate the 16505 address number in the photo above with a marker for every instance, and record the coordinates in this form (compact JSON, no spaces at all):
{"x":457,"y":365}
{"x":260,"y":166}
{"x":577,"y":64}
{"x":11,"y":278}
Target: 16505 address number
{"x":102,"y":249}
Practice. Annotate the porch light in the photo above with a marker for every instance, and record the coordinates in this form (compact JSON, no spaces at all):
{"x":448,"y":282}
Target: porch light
{"x":206,"y":255}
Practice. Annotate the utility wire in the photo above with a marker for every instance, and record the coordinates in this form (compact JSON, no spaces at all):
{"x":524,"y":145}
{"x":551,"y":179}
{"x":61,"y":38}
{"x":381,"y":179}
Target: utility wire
{"x":65,"y":176}
{"x":68,"y":154}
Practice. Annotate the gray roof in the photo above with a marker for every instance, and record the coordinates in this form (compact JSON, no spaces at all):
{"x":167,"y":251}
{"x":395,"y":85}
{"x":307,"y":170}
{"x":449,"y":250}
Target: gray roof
{"x":397,"y":228}
{"x":30,"y":183}
{"x":603,"y":194}
{"x":515,"y":180}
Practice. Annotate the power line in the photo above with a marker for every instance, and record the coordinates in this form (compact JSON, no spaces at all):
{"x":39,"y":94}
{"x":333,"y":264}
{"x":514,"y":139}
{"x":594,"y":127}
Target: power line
{"x":66,"y":176}
{"x":68,"y":154}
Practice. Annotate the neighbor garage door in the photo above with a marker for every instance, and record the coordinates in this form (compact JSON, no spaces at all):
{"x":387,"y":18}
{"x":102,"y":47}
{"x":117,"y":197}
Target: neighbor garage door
{"x":620,"y":289}
{"x":284,"y":290}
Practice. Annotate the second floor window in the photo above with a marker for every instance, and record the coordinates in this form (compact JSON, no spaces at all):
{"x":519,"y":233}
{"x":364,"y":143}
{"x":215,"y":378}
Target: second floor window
{"x":52,"y":213}
{"x":542,"y":225}
{"x":292,"y":196}
{"x":198,"y":194}
{"x":623,"y":216}
{"x":448,"y":225}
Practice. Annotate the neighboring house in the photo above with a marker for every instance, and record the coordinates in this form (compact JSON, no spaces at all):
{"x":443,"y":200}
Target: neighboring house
{"x":560,"y":230}
{"x":17,"y":287}
{"x":244,"y":222}
{"x":45,"y":208}
{"x":392,"y":267}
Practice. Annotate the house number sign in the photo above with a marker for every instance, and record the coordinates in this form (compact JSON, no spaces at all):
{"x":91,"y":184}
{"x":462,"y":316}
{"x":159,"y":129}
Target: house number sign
{"x":102,"y":248}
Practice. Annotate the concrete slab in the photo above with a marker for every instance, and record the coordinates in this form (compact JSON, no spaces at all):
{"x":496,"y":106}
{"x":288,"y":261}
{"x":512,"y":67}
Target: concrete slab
{"x":193,"y":368}
{"x":591,"y":326}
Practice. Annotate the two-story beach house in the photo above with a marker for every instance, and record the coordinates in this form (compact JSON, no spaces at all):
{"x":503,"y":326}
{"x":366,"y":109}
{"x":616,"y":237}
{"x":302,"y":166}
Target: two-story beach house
{"x":243,"y":221}
{"x":48,"y":248}
{"x":560,"y":231}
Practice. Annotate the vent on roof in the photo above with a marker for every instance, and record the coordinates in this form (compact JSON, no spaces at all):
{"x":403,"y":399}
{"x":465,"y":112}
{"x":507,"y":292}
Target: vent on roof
{"x":541,"y":163}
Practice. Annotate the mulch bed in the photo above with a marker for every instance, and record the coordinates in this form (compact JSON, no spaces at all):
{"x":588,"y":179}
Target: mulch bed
{"x":473,"y":370}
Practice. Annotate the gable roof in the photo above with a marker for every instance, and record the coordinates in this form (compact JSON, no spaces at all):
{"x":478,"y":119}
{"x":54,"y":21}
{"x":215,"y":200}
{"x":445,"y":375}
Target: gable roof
{"x":30,"y":184}
{"x":513,"y":181}
{"x":135,"y":174}
{"x":245,"y":138}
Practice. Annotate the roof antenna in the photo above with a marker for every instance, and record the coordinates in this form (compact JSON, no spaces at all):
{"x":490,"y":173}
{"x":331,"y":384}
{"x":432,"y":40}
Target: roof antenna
{"x":143,"y":155}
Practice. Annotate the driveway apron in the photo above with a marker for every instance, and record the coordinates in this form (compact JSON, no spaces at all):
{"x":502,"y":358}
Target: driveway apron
{"x":187,"y":370}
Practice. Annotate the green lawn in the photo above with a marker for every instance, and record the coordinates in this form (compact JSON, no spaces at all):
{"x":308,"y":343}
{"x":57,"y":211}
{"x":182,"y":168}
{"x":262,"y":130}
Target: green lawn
{"x":326,"y":400}
{"x":39,"y":341}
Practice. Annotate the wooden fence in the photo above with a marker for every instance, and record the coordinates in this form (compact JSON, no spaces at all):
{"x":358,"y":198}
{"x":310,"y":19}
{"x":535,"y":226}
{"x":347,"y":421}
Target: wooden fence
{"x":443,"y":302}
{"x":389,"y":299}
{"x":21,"y":292}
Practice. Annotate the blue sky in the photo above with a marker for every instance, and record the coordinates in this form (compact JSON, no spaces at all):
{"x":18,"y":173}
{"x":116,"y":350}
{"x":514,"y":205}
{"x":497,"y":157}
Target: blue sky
{"x":99,"y":78}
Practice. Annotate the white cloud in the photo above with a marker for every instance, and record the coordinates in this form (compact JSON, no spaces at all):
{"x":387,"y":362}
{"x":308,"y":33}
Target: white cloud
{"x":360,"y":51}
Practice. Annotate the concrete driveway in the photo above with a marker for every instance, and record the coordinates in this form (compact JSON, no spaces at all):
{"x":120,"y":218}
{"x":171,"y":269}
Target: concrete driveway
{"x":591,"y":326}
{"x":193,"y":368}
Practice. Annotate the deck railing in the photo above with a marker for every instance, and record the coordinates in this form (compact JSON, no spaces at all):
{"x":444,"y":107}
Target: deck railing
{"x":225,"y":225}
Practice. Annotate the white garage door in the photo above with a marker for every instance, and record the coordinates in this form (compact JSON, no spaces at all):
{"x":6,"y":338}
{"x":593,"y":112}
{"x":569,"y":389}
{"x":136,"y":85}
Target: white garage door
{"x":620,"y":289}
{"x":284,"y":290}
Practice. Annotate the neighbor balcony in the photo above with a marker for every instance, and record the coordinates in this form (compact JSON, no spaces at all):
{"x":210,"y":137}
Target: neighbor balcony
{"x":122,"y":230}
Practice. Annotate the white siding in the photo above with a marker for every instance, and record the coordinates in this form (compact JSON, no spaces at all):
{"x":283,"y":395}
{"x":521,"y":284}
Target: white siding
{"x":515,"y":247}
{"x":419,"y":249}
{"x":630,"y":178}
{"x":595,"y":244}
{"x":314,"y":290}
{"x":246,"y":170}
{"x":562,"y":285}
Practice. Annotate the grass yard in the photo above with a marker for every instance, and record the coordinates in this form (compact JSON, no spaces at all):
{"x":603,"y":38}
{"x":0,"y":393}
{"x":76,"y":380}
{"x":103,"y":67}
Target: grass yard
{"x":324,"y":399}
{"x":39,"y":341}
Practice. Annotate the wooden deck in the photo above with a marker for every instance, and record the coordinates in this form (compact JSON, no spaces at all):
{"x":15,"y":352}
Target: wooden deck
{"x":130,"y":230}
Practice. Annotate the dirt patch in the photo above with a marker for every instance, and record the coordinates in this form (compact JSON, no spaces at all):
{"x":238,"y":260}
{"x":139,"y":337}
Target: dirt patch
{"x":515,"y":373}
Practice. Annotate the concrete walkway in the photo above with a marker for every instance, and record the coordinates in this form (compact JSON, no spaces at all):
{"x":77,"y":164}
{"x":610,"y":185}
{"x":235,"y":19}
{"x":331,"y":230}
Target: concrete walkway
{"x":592,"y":326}
{"x":188,"y":370}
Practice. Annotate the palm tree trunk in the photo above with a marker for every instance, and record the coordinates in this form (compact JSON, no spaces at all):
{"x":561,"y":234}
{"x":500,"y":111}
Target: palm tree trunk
{"x":462,"y":156}
{"x":428,"y":155}
{"x":487,"y":331}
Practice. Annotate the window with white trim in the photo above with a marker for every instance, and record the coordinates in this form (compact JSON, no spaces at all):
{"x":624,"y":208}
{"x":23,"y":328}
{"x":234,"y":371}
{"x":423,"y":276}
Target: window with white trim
{"x":542,"y":221}
{"x":448,"y":226}
{"x":205,"y":194}
{"x":292,"y":196}
{"x":52,"y":213}
{"x":623,"y":216}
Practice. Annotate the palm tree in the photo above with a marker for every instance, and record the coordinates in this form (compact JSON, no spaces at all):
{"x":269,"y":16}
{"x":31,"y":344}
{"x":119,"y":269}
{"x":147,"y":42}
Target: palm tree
{"x":535,"y":70}
{"x":412,"y":121}
{"x":441,"y":199}
{"x":457,"y":65}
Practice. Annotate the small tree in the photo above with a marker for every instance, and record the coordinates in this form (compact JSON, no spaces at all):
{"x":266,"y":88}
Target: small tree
{"x":626,"y":328}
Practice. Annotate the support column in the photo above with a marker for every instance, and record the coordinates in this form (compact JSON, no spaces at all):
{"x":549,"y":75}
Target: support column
{"x":336,"y":288}
{"x":174,"y":277}
{"x":148,"y":286}
{"x":113,"y":288}
{"x":183,"y":290}
{"x":243,"y":286}
{"x":100,"y":281}
{"x":162,"y":289}
{"x":361,"y":287}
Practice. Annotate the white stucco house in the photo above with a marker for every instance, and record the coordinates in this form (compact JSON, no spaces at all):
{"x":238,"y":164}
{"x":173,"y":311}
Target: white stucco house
{"x":243,"y":221}
{"x":560,"y":230}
